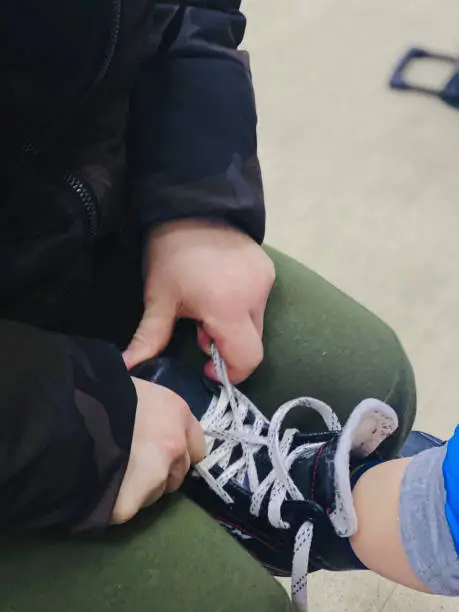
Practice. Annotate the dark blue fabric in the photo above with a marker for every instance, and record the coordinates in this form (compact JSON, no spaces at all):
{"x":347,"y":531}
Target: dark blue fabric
{"x":192,"y":137}
{"x":50,"y":52}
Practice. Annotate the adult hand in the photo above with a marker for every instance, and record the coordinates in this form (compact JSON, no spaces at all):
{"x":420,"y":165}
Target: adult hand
{"x":215,"y":274}
{"x":167,"y":440}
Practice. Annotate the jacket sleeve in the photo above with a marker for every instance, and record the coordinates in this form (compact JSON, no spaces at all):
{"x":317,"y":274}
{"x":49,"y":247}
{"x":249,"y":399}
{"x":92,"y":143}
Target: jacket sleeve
{"x":192,"y":145}
{"x":67,"y":409}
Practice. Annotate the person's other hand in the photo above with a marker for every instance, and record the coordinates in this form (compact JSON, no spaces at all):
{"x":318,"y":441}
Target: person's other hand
{"x":167,"y":440}
{"x":212,"y":273}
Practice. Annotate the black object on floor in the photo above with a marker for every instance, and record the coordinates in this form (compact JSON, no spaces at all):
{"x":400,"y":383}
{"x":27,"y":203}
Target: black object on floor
{"x":449,"y":93}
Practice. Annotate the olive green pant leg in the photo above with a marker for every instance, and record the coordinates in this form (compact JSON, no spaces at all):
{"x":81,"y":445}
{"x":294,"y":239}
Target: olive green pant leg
{"x":321,"y":343}
{"x":172,"y":558}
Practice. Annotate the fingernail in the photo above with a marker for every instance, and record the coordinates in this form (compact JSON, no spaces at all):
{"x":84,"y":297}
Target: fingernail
{"x":127,"y":359}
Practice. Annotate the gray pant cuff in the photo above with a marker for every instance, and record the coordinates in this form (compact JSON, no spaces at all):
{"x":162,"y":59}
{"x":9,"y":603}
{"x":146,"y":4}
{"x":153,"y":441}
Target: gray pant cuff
{"x":424,"y":529}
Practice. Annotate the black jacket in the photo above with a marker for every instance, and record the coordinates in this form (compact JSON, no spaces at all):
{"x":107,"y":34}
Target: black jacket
{"x":115,"y":115}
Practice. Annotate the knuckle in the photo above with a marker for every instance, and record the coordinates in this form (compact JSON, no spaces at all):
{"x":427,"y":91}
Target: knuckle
{"x":258,"y":357}
{"x":252,"y":366}
{"x":256,"y":354}
{"x":160,"y":470}
{"x":175,"y":482}
{"x":183,"y":410}
{"x":270,"y":272}
{"x":177,"y":474}
{"x":141,"y":337}
{"x":174,"y":447}
{"x":174,"y":485}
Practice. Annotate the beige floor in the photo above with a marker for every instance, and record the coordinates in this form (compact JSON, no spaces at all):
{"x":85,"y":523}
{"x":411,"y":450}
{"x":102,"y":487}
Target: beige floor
{"x":362,"y":184}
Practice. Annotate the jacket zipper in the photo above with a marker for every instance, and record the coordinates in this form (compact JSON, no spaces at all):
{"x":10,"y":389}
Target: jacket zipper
{"x":87,"y":199}
{"x":84,"y":194}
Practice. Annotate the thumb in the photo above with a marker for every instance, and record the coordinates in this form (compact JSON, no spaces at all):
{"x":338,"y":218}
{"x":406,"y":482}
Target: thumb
{"x":153,"y":334}
{"x":240,"y":347}
{"x":144,"y":482}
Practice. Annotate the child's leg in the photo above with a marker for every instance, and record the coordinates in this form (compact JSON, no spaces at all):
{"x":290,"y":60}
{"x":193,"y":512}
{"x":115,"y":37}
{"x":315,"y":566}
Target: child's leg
{"x":406,"y":510}
{"x":378,"y":542}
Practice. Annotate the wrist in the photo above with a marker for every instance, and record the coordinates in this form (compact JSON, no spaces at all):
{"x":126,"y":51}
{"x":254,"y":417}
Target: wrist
{"x":191,"y":224}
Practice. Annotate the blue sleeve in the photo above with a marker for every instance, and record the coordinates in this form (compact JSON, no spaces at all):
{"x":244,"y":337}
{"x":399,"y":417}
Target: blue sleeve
{"x":451,"y":477}
{"x":192,"y":143}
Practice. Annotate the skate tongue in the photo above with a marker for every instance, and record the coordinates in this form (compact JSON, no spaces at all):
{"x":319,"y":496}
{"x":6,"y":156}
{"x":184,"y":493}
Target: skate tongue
{"x":324,"y":474}
{"x":195,"y":390}
{"x":370,"y":423}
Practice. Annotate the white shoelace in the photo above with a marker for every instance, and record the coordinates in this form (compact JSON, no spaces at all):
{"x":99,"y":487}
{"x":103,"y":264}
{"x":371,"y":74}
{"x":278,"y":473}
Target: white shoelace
{"x":225,"y":431}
